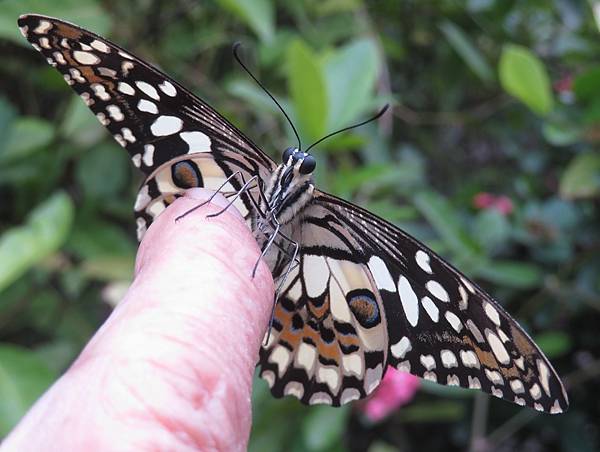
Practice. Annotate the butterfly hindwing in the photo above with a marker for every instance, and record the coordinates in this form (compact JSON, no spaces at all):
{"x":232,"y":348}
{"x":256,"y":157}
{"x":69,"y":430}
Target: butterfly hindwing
{"x":329,"y":342}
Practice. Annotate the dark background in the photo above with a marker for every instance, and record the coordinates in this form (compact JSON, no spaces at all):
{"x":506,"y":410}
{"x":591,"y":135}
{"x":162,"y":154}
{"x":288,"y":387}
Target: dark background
{"x":489,"y":96}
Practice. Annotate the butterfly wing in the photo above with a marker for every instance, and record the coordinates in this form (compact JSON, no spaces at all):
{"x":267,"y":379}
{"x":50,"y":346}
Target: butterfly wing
{"x":329,"y":340}
{"x":167,"y":130}
{"x":440,"y":326}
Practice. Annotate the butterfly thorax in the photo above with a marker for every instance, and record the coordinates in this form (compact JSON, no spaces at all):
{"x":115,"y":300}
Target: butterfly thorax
{"x":288,"y":191}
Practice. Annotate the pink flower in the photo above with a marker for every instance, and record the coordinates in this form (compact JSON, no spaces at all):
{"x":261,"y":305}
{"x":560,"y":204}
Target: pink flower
{"x":564,"y":84}
{"x":501,"y":203}
{"x":396,"y":389}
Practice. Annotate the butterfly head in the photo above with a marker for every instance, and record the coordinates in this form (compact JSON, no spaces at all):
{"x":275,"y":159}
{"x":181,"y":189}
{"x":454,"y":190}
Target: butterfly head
{"x":301,"y":162}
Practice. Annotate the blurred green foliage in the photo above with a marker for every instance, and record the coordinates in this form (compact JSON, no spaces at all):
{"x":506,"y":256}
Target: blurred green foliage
{"x":488,"y":96}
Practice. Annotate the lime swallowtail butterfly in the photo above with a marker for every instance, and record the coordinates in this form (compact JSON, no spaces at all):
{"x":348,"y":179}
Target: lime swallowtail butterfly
{"x":363,"y":294}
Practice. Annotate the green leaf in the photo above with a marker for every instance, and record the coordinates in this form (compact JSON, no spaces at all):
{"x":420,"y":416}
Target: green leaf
{"x":523,"y":75}
{"x":324,"y":426}
{"x":27,"y":135}
{"x":445,"y":221}
{"x":554,"y":343}
{"x":103,"y":171}
{"x":87,"y":14}
{"x":44,"y":232}
{"x":519,"y":275}
{"x":23,"y":378}
{"x":491,"y":229}
{"x":461,"y":43}
{"x":448,"y":411}
{"x":250,"y":92}
{"x":581,"y":179}
{"x":350,"y":85}
{"x":587,"y":84}
{"x":257,"y":14}
{"x":308,"y":90}
{"x":80,"y":125}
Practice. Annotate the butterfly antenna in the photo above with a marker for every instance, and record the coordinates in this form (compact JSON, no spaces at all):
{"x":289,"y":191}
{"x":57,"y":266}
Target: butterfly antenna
{"x":377,"y":116}
{"x":236,"y":46}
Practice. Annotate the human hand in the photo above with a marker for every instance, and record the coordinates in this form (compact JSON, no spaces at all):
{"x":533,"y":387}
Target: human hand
{"x":172,"y":367}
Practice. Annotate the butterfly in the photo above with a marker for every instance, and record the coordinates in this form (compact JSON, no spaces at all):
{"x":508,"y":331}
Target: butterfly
{"x":360,"y":294}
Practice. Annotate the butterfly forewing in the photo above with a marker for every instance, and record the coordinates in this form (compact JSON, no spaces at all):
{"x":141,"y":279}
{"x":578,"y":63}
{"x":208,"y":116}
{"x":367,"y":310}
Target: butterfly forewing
{"x":364,"y":294}
{"x":157,"y":120}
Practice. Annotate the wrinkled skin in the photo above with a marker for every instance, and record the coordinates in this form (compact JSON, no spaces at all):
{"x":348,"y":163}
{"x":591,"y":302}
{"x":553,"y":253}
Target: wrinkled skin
{"x":171,"y":369}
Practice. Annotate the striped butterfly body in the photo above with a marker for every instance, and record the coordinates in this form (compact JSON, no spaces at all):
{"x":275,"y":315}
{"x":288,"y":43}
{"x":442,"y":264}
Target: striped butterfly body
{"x":363,"y":294}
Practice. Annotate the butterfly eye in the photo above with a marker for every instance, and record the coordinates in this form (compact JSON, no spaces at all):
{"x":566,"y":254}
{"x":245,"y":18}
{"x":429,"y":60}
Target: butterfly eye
{"x":286,"y":154}
{"x":308,"y":165}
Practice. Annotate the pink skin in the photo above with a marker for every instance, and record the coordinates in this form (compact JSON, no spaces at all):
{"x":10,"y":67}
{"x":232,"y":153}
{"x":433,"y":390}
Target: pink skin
{"x":171,"y":369}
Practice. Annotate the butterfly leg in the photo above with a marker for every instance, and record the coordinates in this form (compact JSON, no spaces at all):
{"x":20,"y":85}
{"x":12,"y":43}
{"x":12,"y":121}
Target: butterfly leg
{"x":218,"y":190}
{"x":279,"y":286}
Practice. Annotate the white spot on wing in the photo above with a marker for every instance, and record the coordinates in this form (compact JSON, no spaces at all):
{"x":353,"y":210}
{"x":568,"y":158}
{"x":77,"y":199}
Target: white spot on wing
{"x":148,"y":89}
{"x":401,"y":348}
{"x":448,"y":359}
{"x":381,"y":274}
{"x":86,"y":58}
{"x":474,"y":330}
{"x":409,"y":300}
{"x":352,"y":364}
{"x":137,"y":160}
{"x":100,"y":91}
{"x":431,"y":376}
{"x":454,"y":321}
{"x":280,"y":356}
{"x":329,"y":376}
{"x":431,"y":308}
{"x":142,"y":200}
{"x":474,"y":383}
{"x":349,"y":395}
{"x":517,"y":386}
{"x":422,"y":259}
{"x":428,"y":361}
{"x":294,"y":388}
{"x":535,"y":391}
{"x":437,"y":290}
{"x":320,"y":398}
{"x":316,"y":275}
{"x":148,"y":157}
{"x":128,"y":136}
{"x":469,"y":358}
{"x":494,"y":377}
{"x":305,"y":357}
{"x":269,"y":377}
{"x":556,"y":408}
{"x":168,"y":88}
{"x":126,"y":88}
{"x":497,"y":347}
{"x":100,"y":46}
{"x":115,"y":113}
{"x":372,"y":378}
{"x":492,"y":313}
{"x":147,"y":106}
{"x":141,"y":228}
{"x":166,"y":125}
{"x":452,"y":380}
{"x":42,"y":27}
{"x":544,"y":376}
{"x":197,"y":141}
